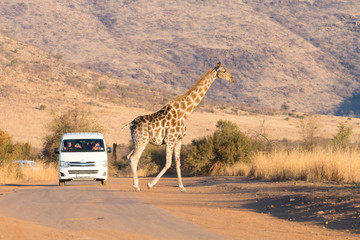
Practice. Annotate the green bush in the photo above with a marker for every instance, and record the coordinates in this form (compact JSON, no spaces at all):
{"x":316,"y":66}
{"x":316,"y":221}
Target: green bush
{"x":71,"y":121}
{"x":200,"y":157}
{"x":24,"y":151}
{"x":342,"y":139}
{"x":225,"y":147}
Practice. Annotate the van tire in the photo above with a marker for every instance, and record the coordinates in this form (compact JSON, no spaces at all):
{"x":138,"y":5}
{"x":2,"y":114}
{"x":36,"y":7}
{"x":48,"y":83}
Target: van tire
{"x":104,"y":182}
{"x":61,"y":183}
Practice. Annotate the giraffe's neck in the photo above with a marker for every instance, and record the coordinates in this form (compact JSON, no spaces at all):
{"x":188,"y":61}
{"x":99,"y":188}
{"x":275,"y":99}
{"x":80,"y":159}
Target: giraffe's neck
{"x":187,"y":103}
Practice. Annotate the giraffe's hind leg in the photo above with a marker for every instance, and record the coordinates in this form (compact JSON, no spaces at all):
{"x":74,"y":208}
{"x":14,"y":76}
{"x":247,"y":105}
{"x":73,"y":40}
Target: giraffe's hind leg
{"x":133,"y":158}
{"x":178,"y":164}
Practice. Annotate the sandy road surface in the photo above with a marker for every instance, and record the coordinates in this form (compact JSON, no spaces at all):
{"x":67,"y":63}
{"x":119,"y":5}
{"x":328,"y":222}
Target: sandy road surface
{"x":213,"y":208}
{"x":88,"y":206}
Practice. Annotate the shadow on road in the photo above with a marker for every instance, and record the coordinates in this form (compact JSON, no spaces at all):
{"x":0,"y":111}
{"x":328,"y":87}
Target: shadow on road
{"x":333,"y":207}
{"x":31,"y":185}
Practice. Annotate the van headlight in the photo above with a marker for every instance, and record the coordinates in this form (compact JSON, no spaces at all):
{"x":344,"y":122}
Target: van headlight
{"x":103,"y":163}
{"x":64,"y":164}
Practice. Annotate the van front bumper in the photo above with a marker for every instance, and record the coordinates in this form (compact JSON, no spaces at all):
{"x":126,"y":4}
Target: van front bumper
{"x":81,"y":173}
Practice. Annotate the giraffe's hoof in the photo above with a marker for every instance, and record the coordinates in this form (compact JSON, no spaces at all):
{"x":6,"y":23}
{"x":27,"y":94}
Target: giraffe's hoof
{"x":183,"y":189}
{"x":137,"y":188}
{"x":149,"y":185}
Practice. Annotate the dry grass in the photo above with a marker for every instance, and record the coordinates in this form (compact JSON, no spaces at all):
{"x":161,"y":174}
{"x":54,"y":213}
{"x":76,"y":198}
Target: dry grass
{"x":321,"y":164}
{"x":12,"y":173}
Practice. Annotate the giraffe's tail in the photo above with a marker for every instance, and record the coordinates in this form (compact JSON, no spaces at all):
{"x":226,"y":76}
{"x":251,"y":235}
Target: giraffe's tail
{"x":124,"y":127}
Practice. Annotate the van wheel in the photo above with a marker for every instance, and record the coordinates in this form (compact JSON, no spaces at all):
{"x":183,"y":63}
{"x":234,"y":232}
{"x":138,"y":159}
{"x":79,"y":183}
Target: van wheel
{"x":104,"y":182}
{"x":61,"y":183}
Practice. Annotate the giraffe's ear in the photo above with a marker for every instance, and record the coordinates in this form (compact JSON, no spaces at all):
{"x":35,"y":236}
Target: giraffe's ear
{"x":219,"y":66}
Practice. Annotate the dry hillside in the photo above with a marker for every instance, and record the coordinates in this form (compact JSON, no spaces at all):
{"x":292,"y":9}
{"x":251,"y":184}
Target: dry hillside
{"x":300,"y":52}
{"x":34,"y":85}
{"x":29,"y":74}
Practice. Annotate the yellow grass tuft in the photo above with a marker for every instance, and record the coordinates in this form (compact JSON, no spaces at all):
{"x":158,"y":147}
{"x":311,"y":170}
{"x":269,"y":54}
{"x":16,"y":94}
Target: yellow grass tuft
{"x":320,"y":164}
{"x":12,"y":173}
{"x":238,"y":169}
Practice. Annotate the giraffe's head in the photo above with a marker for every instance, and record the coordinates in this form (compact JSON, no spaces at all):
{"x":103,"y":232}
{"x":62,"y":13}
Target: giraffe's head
{"x":222,"y":73}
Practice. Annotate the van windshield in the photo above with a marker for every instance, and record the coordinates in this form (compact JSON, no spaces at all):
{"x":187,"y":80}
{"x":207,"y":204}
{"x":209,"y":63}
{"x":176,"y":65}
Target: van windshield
{"x":83,"y":145}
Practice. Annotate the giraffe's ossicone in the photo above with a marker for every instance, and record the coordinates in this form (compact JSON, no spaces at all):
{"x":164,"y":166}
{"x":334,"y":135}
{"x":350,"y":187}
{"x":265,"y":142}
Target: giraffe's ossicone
{"x":167,"y":126}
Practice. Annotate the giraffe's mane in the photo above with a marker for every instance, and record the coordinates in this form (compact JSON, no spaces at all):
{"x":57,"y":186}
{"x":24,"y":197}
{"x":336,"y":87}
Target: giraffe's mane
{"x":191,"y":89}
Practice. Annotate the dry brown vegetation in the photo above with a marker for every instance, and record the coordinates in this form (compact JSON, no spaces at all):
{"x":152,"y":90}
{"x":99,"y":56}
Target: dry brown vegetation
{"x":317,"y":165}
{"x":12,"y":173}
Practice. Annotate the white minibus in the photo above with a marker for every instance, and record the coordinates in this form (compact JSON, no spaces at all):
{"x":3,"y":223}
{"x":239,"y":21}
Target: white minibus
{"x":83,"y":156}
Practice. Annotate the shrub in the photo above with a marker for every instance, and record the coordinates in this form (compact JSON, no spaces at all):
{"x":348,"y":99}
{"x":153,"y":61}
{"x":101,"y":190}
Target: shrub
{"x":309,"y":130}
{"x":261,"y":141}
{"x":200,"y":157}
{"x":212,"y":154}
{"x":24,"y":151}
{"x":6,"y":147}
{"x":12,"y":63}
{"x":230,"y":144}
{"x":71,"y":121}
{"x":10,"y":151}
{"x":285,"y":107}
{"x":342,"y":139}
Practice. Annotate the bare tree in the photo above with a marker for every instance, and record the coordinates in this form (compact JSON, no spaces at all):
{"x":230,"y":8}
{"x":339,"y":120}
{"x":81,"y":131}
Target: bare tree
{"x":309,"y":130}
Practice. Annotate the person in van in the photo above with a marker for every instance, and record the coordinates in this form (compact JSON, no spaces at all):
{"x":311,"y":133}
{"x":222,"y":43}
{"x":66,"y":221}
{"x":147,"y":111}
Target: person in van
{"x":90,"y":146}
{"x":97,"y":146}
{"x":78,"y":146}
{"x":68,"y":146}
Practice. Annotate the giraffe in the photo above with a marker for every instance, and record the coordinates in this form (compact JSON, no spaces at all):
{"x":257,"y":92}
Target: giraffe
{"x":167,"y":126}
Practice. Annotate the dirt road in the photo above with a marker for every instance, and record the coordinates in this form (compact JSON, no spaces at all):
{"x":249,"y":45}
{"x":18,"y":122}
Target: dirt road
{"x":213,"y":208}
{"x":86,"y":206}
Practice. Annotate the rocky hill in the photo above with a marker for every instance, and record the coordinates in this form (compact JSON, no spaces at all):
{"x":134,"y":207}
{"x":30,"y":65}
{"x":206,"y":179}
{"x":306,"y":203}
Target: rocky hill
{"x":302,"y":53}
{"x":31,"y":75}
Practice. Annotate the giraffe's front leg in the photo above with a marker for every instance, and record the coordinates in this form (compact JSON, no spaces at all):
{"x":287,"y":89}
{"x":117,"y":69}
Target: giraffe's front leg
{"x":169,"y":151}
{"x":177,"y":150}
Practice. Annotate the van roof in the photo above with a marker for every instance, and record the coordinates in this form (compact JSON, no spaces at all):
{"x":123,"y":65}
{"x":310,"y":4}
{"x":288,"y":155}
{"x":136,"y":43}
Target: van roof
{"x":82,"y":135}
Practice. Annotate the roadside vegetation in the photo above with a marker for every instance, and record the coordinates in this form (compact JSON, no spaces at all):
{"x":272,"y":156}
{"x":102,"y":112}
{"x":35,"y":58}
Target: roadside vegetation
{"x":11,"y":171}
{"x":225,"y":147}
{"x":316,"y":165}
{"x":227,"y":151}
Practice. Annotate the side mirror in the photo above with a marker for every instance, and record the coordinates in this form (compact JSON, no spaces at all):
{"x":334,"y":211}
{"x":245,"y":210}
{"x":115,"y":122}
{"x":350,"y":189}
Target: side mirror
{"x":56,"y":150}
{"x":108,"y":150}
